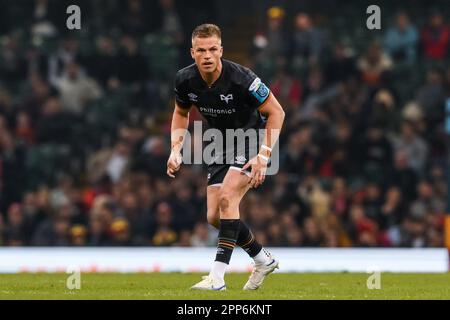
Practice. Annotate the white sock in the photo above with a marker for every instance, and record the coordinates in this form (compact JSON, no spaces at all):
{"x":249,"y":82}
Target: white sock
{"x":262,"y":257}
{"x":218,"y":270}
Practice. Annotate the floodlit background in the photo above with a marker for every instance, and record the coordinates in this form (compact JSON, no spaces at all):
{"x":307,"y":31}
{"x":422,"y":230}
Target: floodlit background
{"x":85,"y":122}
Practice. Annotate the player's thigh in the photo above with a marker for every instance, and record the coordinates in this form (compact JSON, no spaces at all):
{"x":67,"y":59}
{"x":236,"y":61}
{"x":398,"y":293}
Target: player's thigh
{"x":234,"y":186}
{"x":212,"y":202}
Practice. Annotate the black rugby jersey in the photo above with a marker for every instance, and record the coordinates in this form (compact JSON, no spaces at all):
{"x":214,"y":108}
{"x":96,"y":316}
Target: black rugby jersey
{"x":232,"y":100}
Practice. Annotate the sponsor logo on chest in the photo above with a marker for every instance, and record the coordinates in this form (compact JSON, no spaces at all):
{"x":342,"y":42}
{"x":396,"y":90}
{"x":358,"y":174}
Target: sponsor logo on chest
{"x":214,"y":111}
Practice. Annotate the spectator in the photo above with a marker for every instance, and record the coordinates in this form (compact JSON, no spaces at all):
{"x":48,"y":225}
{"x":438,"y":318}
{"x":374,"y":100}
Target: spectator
{"x":120,"y":232}
{"x":294,"y":237}
{"x":392,"y":210}
{"x":165,"y":234}
{"x":67,"y":52}
{"x":111,"y":162}
{"x":55,"y":125}
{"x":339,"y":198}
{"x":14,"y":232}
{"x":426,"y":201}
{"x":373,"y":201}
{"x":362,"y":229}
{"x":344,"y":151}
{"x":431,"y":96}
{"x":374,"y":65}
{"x":24,"y":129}
{"x":33,"y":213}
{"x":342,"y":64}
{"x":269,"y":45}
{"x":308,"y":42}
{"x":132,"y":66}
{"x":78,"y":235}
{"x":376,"y":152}
{"x":171,"y":22}
{"x":384,"y":110}
{"x":403,"y":176}
{"x":76,"y":89}
{"x":201,"y":237}
{"x":316,"y":94}
{"x":401,"y":40}
{"x":34,"y":102}
{"x":43,"y":20}
{"x":140,"y":223}
{"x":52,"y":232}
{"x":287,"y":89}
{"x":301,"y":153}
{"x":151,"y":158}
{"x":436,"y":37}
{"x":185,"y":207}
{"x":13,"y":66}
{"x":12,"y":170}
{"x":184,"y":239}
{"x":413,"y":145}
{"x":133,"y":19}
{"x":312,"y":237}
{"x":103,"y":64}
{"x":98,"y":232}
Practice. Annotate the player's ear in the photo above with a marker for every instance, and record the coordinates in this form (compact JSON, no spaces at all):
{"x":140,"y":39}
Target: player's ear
{"x":221,"y":51}
{"x":192,"y":53}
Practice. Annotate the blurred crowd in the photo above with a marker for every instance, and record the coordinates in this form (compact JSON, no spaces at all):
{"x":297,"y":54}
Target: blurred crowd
{"x":85,"y":127}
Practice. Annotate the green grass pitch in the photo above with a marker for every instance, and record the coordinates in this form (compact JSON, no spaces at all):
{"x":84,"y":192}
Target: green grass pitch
{"x":175,"y":286}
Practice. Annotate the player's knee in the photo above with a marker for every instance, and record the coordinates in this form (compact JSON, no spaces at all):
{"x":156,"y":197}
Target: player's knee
{"x":224,"y":201}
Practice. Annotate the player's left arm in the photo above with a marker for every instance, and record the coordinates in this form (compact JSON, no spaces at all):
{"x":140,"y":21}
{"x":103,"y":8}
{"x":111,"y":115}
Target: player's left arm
{"x":272,"y":109}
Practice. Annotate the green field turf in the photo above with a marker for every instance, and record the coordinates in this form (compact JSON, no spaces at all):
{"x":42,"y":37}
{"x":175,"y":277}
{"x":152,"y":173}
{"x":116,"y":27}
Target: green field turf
{"x":176,"y":286}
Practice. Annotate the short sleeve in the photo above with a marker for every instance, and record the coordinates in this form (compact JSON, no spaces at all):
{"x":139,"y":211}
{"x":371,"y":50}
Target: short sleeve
{"x":181,"y":92}
{"x":259,"y":92}
{"x":256,"y":90}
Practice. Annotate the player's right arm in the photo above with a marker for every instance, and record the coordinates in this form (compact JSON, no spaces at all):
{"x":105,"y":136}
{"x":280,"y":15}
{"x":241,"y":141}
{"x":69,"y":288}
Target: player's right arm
{"x":180,"y":123}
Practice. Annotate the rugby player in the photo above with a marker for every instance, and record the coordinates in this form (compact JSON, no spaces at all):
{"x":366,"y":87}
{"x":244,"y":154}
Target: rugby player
{"x":229,"y":96}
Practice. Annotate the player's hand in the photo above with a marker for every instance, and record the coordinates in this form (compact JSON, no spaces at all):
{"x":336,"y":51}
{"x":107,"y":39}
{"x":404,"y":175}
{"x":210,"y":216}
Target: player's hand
{"x":174,"y":163}
{"x":258,"y":172}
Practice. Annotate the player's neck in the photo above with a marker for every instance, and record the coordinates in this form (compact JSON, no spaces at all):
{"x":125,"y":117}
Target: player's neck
{"x":211,"y":77}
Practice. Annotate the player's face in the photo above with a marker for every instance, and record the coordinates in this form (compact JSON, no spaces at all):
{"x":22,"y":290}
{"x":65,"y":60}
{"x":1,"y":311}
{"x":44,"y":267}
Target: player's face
{"x":207,"y":53}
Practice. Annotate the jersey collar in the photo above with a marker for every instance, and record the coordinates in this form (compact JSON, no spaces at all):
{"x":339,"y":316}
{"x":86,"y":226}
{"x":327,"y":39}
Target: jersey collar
{"x":203,"y":83}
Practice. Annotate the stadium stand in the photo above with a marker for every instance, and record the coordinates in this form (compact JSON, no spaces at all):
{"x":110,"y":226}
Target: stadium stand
{"x":85,"y":123}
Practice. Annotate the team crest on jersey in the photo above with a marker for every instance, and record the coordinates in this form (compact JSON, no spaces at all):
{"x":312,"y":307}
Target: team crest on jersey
{"x":226,"y":98}
{"x":259,"y":90}
{"x":193,"y":97}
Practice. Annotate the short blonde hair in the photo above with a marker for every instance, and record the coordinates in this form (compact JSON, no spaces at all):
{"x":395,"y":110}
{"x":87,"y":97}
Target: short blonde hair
{"x":206,"y":30}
